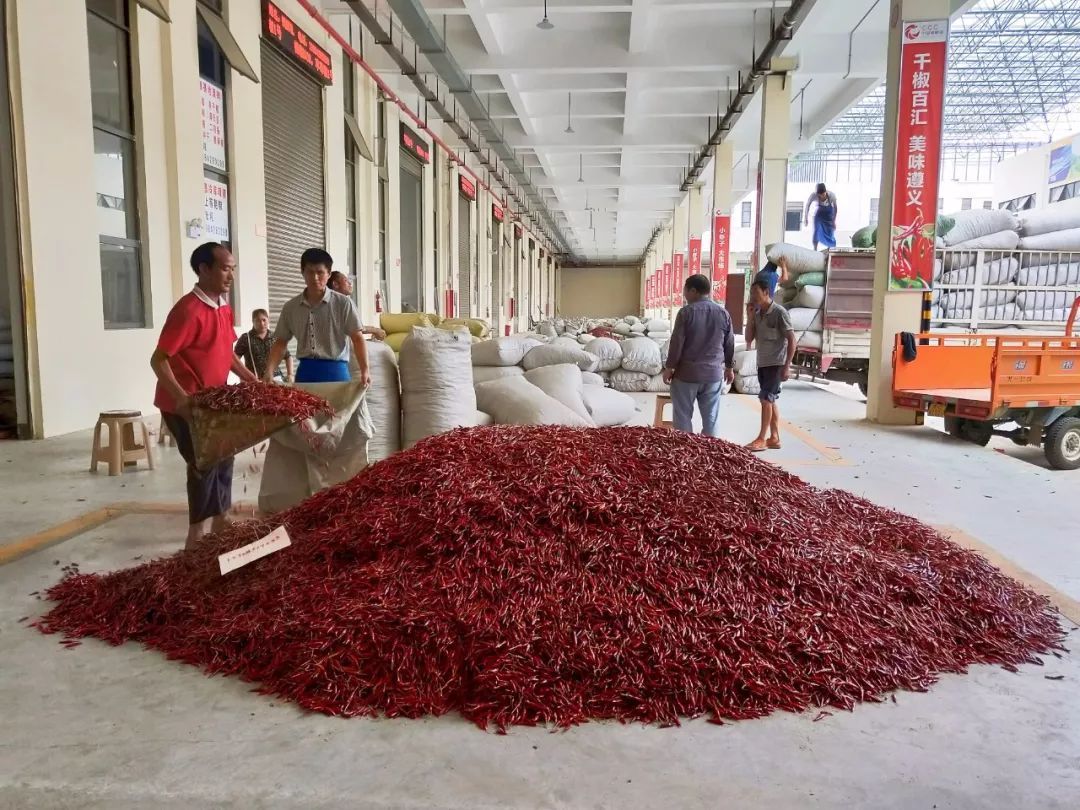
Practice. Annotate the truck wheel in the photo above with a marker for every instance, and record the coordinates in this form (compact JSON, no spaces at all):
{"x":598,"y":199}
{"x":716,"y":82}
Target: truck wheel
{"x":1063,"y":444}
{"x":970,"y":430}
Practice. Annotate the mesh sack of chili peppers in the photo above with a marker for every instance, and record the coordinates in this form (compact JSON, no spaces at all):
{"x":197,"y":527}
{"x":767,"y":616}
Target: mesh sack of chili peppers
{"x":228,"y":419}
{"x":525,"y":575}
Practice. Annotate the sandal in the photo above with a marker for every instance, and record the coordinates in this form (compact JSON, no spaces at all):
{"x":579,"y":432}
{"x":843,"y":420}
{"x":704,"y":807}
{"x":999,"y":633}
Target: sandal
{"x":771,"y":445}
{"x":756,"y":447}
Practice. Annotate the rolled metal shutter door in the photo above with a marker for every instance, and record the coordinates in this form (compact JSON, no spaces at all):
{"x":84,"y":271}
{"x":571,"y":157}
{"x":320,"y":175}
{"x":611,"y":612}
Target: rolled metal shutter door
{"x":464,"y":257}
{"x":293,"y":160}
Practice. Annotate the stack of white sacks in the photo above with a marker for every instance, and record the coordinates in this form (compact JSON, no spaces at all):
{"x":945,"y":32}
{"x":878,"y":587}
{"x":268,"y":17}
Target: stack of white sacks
{"x":1036,"y":248}
{"x":534,"y":380}
{"x":803,"y":294}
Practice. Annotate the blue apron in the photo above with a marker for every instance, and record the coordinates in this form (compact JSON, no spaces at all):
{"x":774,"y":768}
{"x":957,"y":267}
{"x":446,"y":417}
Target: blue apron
{"x":315,"y":370}
{"x":825,"y":225}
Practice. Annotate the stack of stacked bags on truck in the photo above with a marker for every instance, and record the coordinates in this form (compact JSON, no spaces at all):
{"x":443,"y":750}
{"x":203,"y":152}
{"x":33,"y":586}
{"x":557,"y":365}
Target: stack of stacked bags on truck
{"x":963,"y":235}
{"x":399,"y":325}
{"x":1049,"y":257}
{"x":803,"y":293}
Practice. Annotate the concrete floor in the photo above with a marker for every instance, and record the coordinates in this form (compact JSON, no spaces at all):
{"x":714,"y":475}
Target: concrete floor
{"x":101,"y":727}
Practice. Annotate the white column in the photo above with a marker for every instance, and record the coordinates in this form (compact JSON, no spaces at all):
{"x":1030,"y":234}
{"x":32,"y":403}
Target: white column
{"x":773,"y":156}
{"x":894,"y":311}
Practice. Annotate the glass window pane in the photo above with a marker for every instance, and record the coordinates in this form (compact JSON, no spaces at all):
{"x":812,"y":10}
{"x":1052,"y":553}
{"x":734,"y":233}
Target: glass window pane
{"x":347,"y":85}
{"x":351,"y":256}
{"x":350,"y":189}
{"x":109,"y":91}
{"x":121,"y":286}
{"x":114,"y":182}
{"x":112,"y":9}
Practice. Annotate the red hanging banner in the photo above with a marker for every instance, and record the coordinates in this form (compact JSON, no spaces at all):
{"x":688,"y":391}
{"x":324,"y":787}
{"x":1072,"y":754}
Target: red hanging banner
{"x":695,"y":257}
{"x":721,"y":233}
{"x":921,"y":101}
{"x":677,"y":282}
{"x":666,"y":296}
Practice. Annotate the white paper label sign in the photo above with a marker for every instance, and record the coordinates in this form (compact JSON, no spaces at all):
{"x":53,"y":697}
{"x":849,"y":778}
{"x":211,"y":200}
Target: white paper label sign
{"x":275,"y":541}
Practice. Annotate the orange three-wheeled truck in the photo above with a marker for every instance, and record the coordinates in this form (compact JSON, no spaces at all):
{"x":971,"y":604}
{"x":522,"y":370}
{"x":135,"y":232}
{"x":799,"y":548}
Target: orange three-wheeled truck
{"x":1026,"y":388}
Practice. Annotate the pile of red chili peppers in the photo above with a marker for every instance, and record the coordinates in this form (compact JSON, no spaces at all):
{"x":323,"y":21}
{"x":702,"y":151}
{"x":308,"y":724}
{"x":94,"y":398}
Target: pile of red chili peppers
{"x":263,"y":399}
{"x":525,"y":575}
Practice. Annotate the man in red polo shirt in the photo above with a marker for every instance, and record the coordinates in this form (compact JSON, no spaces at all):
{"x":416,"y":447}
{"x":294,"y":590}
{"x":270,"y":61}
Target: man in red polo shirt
{"x":195,"y":351}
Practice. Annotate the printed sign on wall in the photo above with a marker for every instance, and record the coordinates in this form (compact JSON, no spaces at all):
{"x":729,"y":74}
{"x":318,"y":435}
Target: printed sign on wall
{"x":213,"y":125}
{"x":216,"y":210}
{"x":916,"y":173}
{"x":721,"y":244}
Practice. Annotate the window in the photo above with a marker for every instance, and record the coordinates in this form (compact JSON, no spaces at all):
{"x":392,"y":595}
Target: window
{"x":348,"y":89}
{"x":384,"y":183}
{"x":1066,"y":192}
{"x":875,"y":207}
{"x":965,"y":204}
{"x":746,"y":213}
{"x":793,"y":219}
{"x":988,"y":205}
{"x":115,"y":172}
{"x":213,"y":93}
{"x":940,"y":203}
{"x":1019,"y":203}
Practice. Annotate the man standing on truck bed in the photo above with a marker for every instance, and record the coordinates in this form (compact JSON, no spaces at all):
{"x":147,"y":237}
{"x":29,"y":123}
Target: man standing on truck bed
{"x":769,"y":327}
{"x":701,"y":357}
{"x":824,"y":217}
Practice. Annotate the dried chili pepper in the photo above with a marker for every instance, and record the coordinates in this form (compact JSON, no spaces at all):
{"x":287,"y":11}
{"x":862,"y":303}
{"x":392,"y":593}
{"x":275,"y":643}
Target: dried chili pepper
{"x":528,"y":575}
{"x":265,"y":399}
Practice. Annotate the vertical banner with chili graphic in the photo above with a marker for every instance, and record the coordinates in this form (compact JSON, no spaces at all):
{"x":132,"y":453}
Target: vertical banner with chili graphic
{"x":678,"y":280}
{"x":721,"y":235}
{"x":694,"y":259}
{"x":921,"y":101}
{"x":666,"y":296}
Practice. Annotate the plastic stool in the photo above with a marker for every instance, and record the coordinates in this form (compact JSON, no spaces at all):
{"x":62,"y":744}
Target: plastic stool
{"x":121,"y":448}
{"x":662,"y":400}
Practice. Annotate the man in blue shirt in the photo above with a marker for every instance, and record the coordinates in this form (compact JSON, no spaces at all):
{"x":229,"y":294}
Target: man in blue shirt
{"x":773,"y":274}
{"x":701,"y":356}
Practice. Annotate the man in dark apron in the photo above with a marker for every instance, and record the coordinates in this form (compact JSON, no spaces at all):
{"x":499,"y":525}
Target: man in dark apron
{"x":824,"y":217}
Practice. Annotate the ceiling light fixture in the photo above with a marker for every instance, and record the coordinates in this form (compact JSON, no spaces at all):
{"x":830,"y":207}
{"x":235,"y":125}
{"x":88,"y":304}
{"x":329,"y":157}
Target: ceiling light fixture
{"x":569,"y":128}
{"x":545,"y":24}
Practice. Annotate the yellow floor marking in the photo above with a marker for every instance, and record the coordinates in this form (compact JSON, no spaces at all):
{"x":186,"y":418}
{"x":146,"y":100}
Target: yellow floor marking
{"x":831,"y":455}
{"x":15,"y":549}
{"x":1065,"y":604}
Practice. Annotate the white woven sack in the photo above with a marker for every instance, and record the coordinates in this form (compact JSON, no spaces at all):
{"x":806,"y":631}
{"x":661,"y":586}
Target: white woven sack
{"x":637,"y":328}
{"x":483,"y":374}
{"x":547,"y":330}
{"x":1052,"y":275}
{"x":810,"y":297}
{"x":979,"y":222}
{"x":965,"y":298}
{"x":621,"y":328}
{"x":658,"y":325}
{"x":657,"y":385}
{"x":383,"y":402}
{"x":609,"y":408}
{"x":570,"y":342}
{"x":554,"y":355}
{"x":592,"y":378}
{"x":483,"y":419}
{"x":436,"y":383}
{"x":1043,"y":300}
{"x":642,"y":355}
{"x":745,"y":363}
{"x":628,"y":381}
{"x":748,"y":384}
{"x":966,"y":254}
{"x":1001,"y":271}
{"x":810,"y":340}
{"x":502,"y":351}
{"x":803,"y":320}
{"x":563,"y":383}
{"x":799,"y":259}
{"x":1036,"y":223}
{"x":516,"y":401}
{"x":608,"y":353}
{"x":632,"y":319}
{"x":585,"y":338}
{"x":1058,"y":240}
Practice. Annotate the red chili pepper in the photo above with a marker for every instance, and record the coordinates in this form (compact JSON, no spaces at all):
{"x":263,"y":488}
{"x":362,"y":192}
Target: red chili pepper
{"x":540,"y":575}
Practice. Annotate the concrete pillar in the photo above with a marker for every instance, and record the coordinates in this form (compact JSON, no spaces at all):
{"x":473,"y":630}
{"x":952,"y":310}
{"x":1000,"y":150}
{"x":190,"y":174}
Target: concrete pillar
{"x":723,"y":181}
{"x":773,"y":157}
{"x":894,"y":311}
{"x":678,"y":248}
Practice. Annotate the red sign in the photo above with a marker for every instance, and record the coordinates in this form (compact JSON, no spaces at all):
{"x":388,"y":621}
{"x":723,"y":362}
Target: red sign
{"x":923,"y":56}
{"x":414,"y":144}
{"x":721,"y":245}
{"x":669,"y":278}
{"x":287,"y":35}
{"x":694,"y":261}
{"x":517,"y":231}
{"x":650,"y":283}
{"x":467,"y":187}
{"x":678,"y":279}
{"x":497,"y":213}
